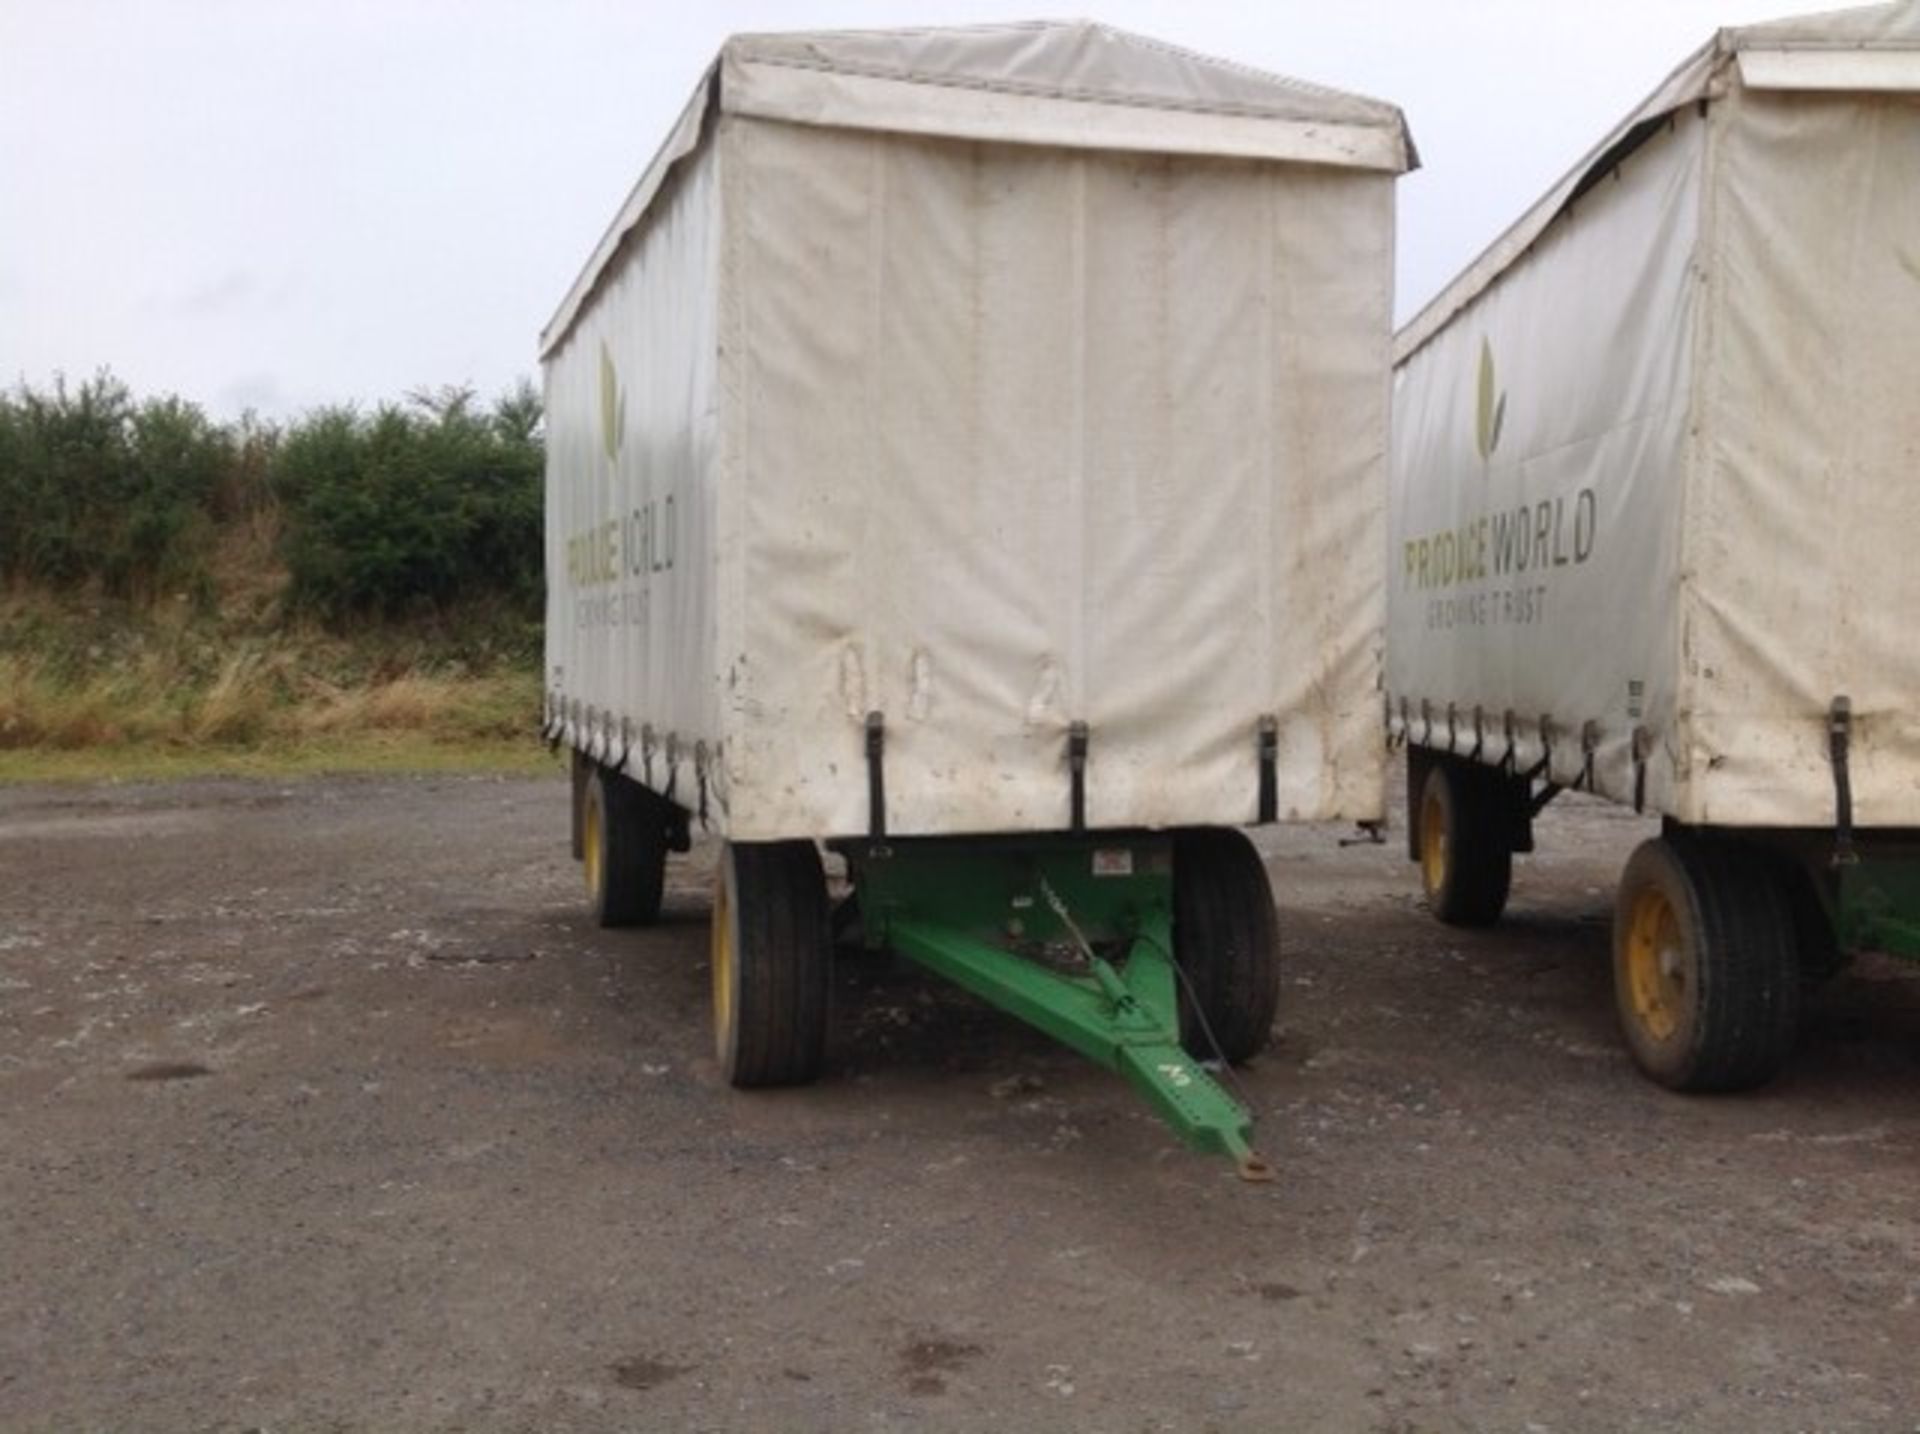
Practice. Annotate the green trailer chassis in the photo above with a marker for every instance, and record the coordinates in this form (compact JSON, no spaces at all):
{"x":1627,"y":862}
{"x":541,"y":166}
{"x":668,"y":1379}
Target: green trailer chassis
{"x":1071,"y":934}
{"x":1879,"y":905}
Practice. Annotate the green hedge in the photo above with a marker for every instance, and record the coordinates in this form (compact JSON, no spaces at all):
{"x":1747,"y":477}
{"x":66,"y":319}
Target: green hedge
{"x":421,"y":507}
{"x":413,"y":508}
{"x":94,"y":486}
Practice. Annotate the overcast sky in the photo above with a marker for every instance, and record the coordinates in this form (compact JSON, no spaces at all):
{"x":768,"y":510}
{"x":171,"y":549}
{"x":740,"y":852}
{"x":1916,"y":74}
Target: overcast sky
{"x":271,"y":204}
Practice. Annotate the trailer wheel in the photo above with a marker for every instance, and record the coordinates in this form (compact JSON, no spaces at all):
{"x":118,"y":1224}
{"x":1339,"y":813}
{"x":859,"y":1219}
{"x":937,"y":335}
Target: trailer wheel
{"x":771,"y":962}
{"x":1706,"y":977}
{"x":623,"y":850}
{"x":1226,"y":941}
{"x":578,"y":771}
{"x":1466,"y":864}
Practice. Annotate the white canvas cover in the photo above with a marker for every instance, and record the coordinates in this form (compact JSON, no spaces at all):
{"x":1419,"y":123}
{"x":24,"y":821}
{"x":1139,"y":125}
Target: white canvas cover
{"x":1074,"y":85}
{"x":1535,"y":530}
{"x":1697,"y":370}
{"x":991,"y":438}
{"x":1843,"y":49}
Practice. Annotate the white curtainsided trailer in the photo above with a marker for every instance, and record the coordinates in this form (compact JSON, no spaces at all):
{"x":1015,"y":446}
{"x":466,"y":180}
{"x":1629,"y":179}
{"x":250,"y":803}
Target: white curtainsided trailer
{"x":966,"y":449}
{"x":1656,"y":471}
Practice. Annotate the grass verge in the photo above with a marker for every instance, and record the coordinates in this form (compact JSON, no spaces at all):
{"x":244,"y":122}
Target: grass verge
{"x":364,"y":752}
{"x":89,"y":695}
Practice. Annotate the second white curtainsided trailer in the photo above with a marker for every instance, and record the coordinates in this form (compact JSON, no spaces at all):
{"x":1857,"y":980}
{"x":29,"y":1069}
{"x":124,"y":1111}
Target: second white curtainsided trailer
{"x":1654,"y":483}
{"x":966,"y":450}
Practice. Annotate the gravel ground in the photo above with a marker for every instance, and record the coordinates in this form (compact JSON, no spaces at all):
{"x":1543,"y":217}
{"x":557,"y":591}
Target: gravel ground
{"x":324,"y":1108}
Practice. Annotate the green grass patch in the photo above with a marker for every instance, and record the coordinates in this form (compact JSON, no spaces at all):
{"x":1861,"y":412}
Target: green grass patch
{"x":372,"y":753}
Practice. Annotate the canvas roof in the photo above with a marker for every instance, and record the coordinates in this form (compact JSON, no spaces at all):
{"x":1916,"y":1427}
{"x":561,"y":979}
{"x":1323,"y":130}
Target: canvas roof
{"x":1070,"y":84}
{"x":1872,"y":47}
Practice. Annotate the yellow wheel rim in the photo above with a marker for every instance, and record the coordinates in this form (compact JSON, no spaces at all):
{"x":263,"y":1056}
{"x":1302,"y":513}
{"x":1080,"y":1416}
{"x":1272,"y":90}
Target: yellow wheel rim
{"x":1433,"y":844}
{"x":593,"y":856}
{"x":1657,"y":965}
{"x":721,"y":960}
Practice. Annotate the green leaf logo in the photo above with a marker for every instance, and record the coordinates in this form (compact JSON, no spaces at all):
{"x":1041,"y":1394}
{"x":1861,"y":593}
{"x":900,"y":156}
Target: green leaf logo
{"x":1491,"y":412}
{"x":613,"y":406}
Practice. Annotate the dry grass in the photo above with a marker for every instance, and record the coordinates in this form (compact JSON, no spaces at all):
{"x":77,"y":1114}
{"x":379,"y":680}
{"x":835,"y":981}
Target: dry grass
{"x":245,"y":566}
{"x":93,"y":692}
{"x":255,"y":696}
{"x":412,"y":702}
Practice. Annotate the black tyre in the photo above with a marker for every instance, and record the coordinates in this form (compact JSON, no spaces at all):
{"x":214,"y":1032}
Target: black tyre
{"x":624,"y":831}
{"x":1815,"y":941}
{"x":1226,"y":941}
{"x":580,"y":770}
{"x":1706,"y":976}
{"x":1466,"y":864}
{"x":772,"y":963}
